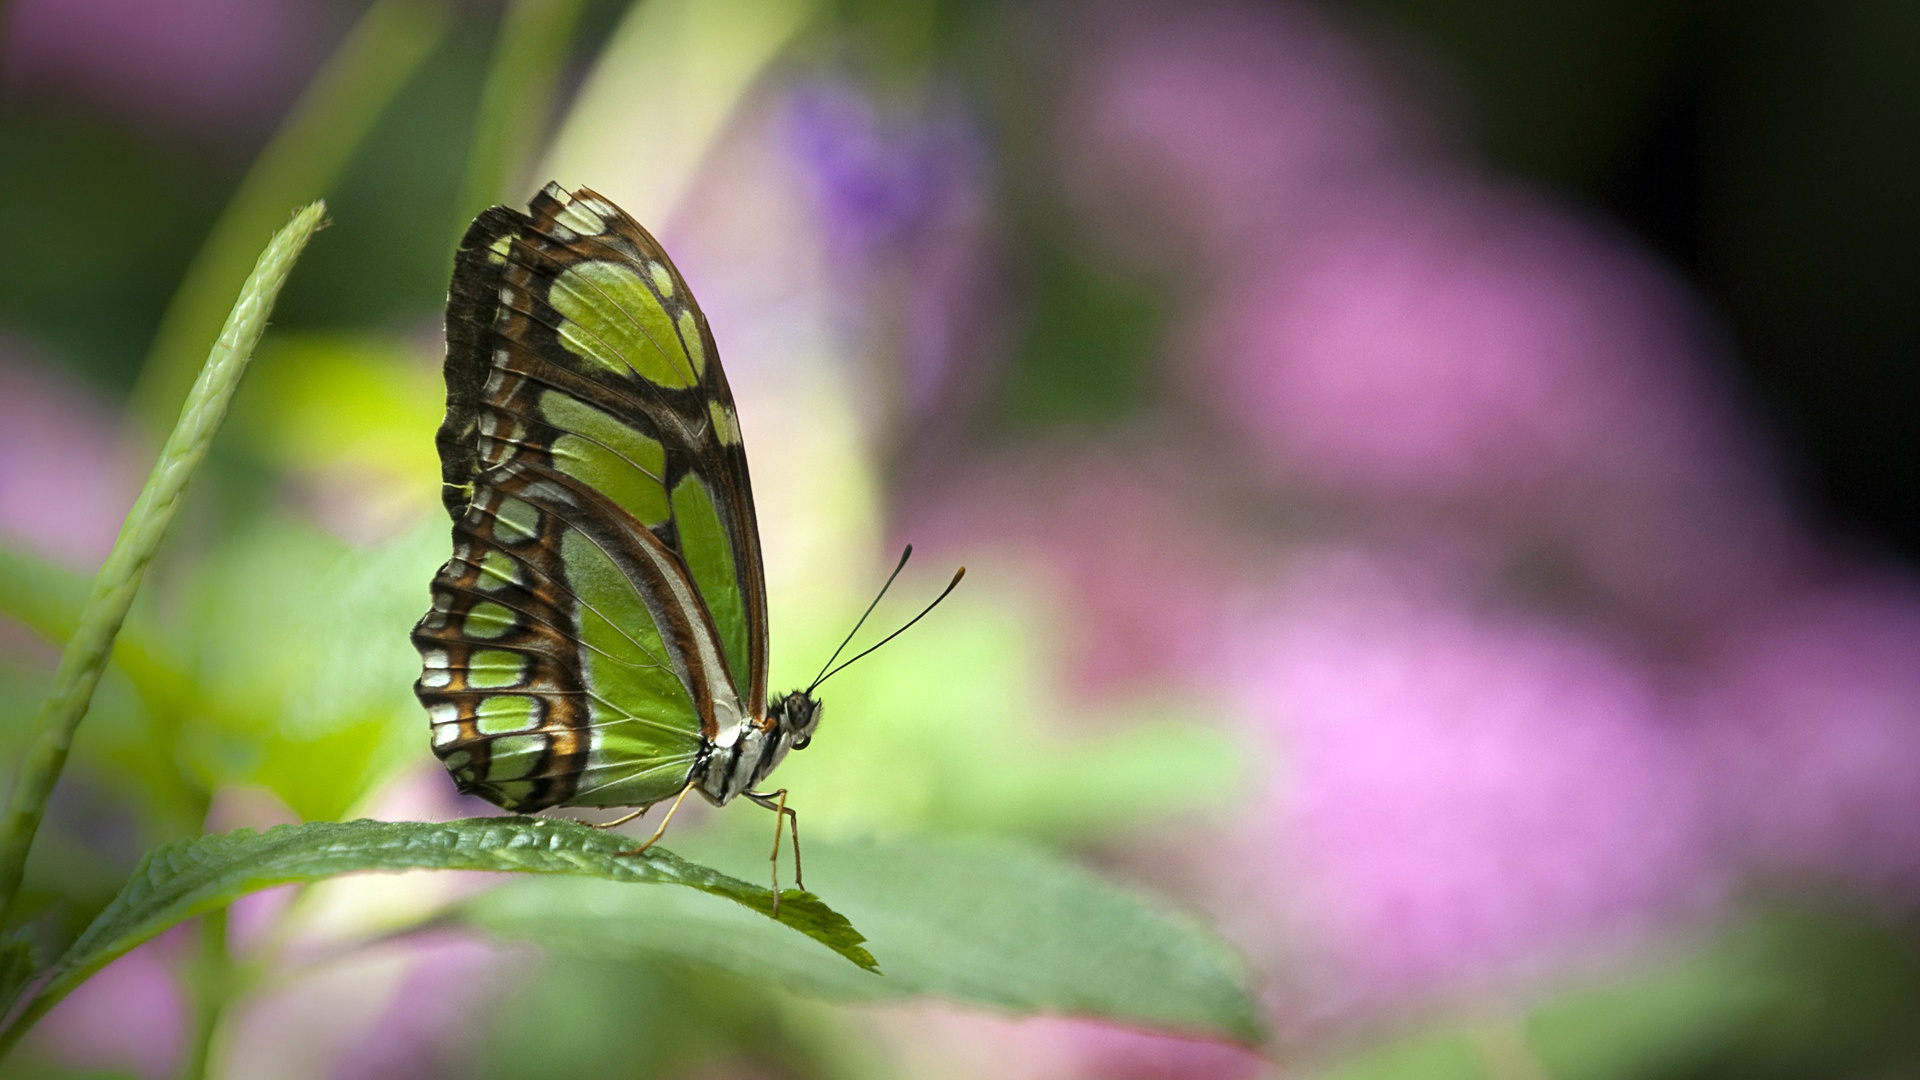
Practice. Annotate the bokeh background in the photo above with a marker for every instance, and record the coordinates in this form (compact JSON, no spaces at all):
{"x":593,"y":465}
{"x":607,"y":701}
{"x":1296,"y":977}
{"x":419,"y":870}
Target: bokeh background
{"x":1438,"y":482}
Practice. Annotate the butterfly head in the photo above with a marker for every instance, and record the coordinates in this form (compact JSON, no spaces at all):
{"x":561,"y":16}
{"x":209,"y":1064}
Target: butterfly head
{"x":795,"y":717}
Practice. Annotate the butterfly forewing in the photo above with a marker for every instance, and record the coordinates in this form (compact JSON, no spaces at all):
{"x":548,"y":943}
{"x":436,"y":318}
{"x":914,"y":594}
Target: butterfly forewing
{"x":603,"y":616}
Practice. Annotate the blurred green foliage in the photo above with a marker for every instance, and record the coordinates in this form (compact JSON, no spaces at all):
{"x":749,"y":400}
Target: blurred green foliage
{"x":1802,"y":988}
{"x":323,"y":132}
{"x":625,"y":1021}
{"x":106,"y":252}
{"x":1090,"y":351}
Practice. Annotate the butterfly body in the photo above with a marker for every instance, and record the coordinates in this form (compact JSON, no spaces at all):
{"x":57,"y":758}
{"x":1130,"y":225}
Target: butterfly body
{"x":734,"y":767}
{"x":599,"y":636}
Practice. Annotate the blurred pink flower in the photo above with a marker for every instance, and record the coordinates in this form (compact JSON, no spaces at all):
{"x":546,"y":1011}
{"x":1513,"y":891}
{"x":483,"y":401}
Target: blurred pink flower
{"x":1446,"y":340}
{"x":1117,"y":1053}
{"x":1225,"y":125}
{"x":252,"y":919}
{"x":1812,"y":719}
{"x":1136,"y":546}
{"x":939,"y":1041}
{"x":130,"y":1016}
{"x":426,"y":793}
{"x":1442,"y":345}
{"x":224,"y":66}
{"x":1381,"y":328}
{"x":66,"y":478}
{"x":405,"y":1007}
{"x":426,"y":1029}
{"x":1464,"y":797}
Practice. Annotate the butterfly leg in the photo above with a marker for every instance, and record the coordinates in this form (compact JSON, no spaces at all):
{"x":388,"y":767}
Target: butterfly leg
{"x":664,"y":822}
{"x":776,"y":801}
{"x":619,"y":821}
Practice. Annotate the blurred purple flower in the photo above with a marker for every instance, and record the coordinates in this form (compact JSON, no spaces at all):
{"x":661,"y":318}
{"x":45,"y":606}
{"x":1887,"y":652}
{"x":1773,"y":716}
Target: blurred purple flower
{"x":1439,"y":344}
{"x":880,"y":183}
{"x":223,"y":66}
{"x":942,"y":1041}
{"x":1228,"y":123}
{"x":404,"y":1008}
{"x":1812,"y":719}
{"x":130,"y":1016}
{"x":66,"y":478}
{"x":901,"y":206}
{"x":1465,"y":797}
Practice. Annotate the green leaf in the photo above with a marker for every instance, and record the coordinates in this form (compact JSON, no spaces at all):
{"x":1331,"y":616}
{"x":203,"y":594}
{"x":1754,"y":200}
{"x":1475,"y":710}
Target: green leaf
{"x":985,"y":922}
{"x":179,"y":881}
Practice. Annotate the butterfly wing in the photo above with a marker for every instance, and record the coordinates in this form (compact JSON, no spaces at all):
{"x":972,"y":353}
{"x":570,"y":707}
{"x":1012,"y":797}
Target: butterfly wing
{"x":604,"y":615}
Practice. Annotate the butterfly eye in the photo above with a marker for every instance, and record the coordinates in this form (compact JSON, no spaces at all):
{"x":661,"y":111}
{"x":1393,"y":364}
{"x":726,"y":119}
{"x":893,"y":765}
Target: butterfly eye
{"x":801,"y":742}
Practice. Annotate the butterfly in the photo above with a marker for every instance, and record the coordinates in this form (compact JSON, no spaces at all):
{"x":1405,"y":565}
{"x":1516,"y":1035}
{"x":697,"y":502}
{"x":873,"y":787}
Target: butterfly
{"x":599,"y":637}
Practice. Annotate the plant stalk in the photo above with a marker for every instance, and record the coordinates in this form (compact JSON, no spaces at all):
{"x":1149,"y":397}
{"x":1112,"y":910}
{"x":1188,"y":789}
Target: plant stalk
{"x":211,"y":980}
{"x":146,"y":525}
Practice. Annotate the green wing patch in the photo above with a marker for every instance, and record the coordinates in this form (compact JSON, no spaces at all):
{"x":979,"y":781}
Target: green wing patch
{"x":614,"y":317}
{"x":622,"y":463}
{"x":709,"y":556}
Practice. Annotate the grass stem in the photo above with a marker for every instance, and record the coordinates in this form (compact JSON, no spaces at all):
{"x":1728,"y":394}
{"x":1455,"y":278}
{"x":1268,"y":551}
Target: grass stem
{"x":119,"y":578}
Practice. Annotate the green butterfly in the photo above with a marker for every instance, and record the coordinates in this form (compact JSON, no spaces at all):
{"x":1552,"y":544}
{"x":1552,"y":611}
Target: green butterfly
{"x":599,"y":637}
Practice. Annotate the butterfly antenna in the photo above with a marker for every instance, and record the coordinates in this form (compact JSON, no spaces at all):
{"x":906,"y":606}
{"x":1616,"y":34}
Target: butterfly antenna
{"x":957,"y":575}
{"x":818,"y":679}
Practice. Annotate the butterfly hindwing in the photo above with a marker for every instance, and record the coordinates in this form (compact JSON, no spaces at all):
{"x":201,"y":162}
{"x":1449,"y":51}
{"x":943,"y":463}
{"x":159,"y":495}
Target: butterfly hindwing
{"x":605,"y":609}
